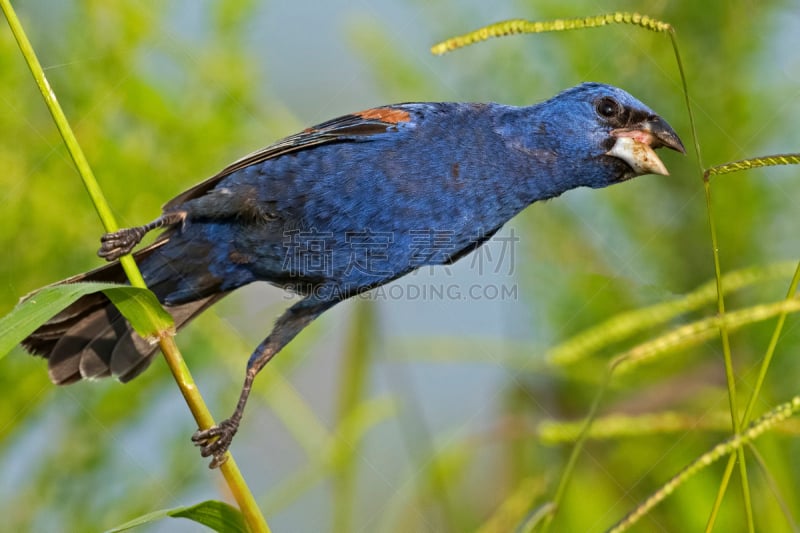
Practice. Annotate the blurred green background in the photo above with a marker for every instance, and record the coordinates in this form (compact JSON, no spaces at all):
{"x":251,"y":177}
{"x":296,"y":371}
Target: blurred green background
{"x":396,"y":412}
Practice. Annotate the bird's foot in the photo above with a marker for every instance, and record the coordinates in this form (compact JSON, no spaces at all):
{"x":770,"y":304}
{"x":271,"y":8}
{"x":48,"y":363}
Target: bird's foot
{"x":115,"y":245}
{"x":215,"y":440}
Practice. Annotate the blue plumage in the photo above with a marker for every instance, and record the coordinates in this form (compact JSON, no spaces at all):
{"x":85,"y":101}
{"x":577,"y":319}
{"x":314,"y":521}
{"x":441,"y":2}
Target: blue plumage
{"x":341,"y":207}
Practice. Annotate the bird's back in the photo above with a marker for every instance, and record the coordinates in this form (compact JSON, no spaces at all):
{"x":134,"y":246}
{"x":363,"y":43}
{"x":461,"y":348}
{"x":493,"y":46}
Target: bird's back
{"x":354,"y":214}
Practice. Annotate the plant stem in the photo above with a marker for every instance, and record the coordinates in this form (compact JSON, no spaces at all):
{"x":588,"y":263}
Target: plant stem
{"x":773,"y":343}
{"x":729,"y":374}
{"x":723,"y":328}
{"x":230,"y":471}
{"x":552,"y":509}
{"x":233,"y":477}
{"x":729,"y":446}
{"x":351,"y":391}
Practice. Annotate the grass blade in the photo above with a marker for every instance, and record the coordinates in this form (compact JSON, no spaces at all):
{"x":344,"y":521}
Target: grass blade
{"x":729,"y":446}
{"x":213,"y":514}
{"x":139,"y":306}
{"x":624,"y":325}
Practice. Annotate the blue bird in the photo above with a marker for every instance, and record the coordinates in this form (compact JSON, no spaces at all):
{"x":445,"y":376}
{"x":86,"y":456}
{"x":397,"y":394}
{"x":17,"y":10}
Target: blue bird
{"x":333,"y":211}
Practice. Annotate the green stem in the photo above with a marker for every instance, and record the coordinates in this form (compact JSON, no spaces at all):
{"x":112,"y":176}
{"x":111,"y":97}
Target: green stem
{"x":748,"y":412}
{"x":573,"y":457}
{"x":723,"y":329}
{"x":773,"y":343}
{"x":233,"y":477}
{"x":729,"y":373}
{"x":353,"y":384}
{"x":229,"y":469}
{"x":733,"y":443}
{"x":74,"y":149}
{"x":673,"y":38}
{"x":723,"y":486}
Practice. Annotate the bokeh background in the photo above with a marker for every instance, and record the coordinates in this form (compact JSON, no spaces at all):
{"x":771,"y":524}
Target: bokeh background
{"x":399,"y":411}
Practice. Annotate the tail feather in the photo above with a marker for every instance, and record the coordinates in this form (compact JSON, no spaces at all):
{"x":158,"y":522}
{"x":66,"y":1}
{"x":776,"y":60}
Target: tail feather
{"x":44,"y":340}
{"x":71,"y":357}
{"x":90,"y":339}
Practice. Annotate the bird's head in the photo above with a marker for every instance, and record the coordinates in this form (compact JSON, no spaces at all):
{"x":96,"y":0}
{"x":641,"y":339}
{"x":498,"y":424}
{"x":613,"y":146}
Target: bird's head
{"x":615,"y":134}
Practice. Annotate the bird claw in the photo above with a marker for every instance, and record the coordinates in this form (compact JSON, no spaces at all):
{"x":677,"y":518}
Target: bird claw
{"x":215,"y":441}
{"x":115,"y":245}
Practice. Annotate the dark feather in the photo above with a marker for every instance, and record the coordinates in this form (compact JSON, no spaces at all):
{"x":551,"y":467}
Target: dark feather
{"x":90,"y":339}
{"x":356,"y":126}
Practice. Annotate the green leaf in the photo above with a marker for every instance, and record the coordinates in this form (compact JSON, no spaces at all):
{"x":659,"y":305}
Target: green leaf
{"x":216,"y":515}
{"x":139,"y":306}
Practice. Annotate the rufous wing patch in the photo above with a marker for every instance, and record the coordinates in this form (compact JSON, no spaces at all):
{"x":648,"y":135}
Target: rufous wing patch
{"x":385,"y":114}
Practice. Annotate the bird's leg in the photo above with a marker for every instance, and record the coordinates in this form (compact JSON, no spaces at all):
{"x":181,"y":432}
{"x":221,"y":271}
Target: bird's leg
{"x":115,"y":245}
{"x":215,"y":441}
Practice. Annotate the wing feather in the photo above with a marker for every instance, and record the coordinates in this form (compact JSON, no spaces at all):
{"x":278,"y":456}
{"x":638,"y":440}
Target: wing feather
{"x":359,"y":126}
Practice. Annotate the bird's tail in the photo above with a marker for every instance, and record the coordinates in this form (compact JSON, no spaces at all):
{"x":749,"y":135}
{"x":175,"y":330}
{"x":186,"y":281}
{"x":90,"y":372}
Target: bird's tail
{"x":90,"y":339}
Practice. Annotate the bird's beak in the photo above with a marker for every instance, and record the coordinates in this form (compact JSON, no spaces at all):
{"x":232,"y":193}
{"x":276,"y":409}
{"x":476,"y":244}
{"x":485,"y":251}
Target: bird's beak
{"x":635,"y":145}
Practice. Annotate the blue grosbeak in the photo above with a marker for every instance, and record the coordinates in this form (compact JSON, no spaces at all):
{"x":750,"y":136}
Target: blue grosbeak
{"x":293,"y":213}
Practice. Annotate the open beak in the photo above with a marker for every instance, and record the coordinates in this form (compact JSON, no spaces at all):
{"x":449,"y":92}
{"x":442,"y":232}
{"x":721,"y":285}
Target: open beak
{"x":636,"y":145}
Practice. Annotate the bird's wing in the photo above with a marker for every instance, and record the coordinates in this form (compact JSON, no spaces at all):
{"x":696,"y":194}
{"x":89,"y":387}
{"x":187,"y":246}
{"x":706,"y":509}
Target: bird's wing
{"x":353,"y":127}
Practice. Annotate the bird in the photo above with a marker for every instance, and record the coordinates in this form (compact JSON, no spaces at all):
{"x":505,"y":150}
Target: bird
{"x":334,"y":211}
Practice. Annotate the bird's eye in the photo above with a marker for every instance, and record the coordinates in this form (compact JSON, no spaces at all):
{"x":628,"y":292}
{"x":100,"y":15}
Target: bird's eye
{"x":608,"y":107}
